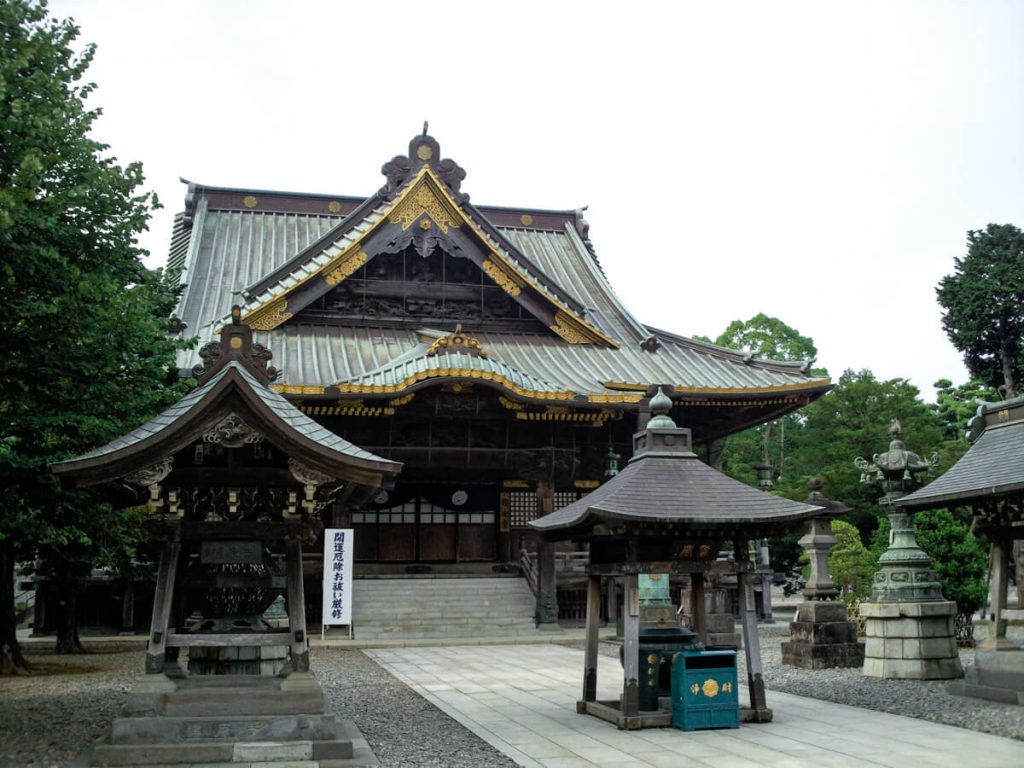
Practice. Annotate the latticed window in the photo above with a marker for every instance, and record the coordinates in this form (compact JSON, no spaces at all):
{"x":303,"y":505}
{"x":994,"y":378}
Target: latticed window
{"x":522,"y":508}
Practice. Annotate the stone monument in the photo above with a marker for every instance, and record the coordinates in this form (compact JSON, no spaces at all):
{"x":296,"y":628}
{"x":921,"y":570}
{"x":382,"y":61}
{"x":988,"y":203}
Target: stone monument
{"x":908,"y":623}
{"x":821,"y":635}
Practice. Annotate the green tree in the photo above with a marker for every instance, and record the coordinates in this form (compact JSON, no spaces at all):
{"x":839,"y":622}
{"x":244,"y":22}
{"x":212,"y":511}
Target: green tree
{"x":984,"y":305}
{"x":850,"y":563}
{"x":768,"y":338}
{"x":957,"y":405}
{"x":771,"y":339}
{"x":853,"y":420}
{"x":83,"y":335}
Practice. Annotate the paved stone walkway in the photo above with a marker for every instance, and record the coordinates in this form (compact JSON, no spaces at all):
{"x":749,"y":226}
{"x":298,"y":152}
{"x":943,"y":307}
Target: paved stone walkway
{"x":521,"y":699}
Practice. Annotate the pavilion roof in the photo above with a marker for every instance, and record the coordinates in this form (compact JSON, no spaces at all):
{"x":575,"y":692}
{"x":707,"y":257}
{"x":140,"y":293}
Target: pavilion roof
{"x":665,"y":483}
{"x":993,"y":466}
{"x":231,"y":383}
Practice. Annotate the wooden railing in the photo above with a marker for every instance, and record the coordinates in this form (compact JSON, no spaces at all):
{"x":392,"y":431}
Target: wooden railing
{"x":528,"y":564}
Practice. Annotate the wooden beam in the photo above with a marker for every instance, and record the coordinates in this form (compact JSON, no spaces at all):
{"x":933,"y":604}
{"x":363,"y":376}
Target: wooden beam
{"x":162,"y":599}
{"x":227,"y":639}
{"x":631,"y":647}
{"x":698,"y":608}
{"x":748,"y":619}
{"x":296,"y":605}
{"x":590,"y":654}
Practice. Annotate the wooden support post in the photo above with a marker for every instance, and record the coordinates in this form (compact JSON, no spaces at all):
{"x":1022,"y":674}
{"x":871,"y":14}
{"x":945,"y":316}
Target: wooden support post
{"x":128,"y":607}
{"x":698,"y":606}
{"x":751,"y":641}
{"x":162,"y":599}
{"x":612,"y":597}
{"x":998,"y":585}
{"x":590,"y":654}
{"x":631,"y":647}
{"x":547,"y":589}
{"x":296,"y":606}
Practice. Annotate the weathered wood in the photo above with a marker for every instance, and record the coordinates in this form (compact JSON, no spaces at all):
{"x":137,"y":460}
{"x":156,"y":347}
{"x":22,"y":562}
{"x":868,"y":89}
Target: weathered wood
{"x":748,"y":620}
{"x":226,"y":639}
{"x":590,"y":654}
{"x":698,"y":607}
{"x":656,"y":566}
{"x":296,"y":606}
{"x":165,"y":578}
{"x":631,"y":647}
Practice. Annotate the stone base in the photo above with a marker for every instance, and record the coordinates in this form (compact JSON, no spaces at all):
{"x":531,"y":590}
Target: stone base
{"x":804,"y":655}
{"x":225,"y":718}
{"x":914,"y":641}
{"x":996,"y":676}
{"x":822,"y":638}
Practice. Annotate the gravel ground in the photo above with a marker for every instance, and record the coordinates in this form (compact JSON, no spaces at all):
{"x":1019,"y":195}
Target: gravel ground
{"x":49,"y":718}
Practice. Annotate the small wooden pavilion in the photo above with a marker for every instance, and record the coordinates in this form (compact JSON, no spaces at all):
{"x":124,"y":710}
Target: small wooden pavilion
{"x":668,"y":512}
{"x":237,"y":478}
{"x":989,"y":479}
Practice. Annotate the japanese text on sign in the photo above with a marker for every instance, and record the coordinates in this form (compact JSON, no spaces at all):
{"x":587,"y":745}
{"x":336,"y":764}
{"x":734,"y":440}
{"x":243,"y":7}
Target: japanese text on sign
{"x":337,"y":608}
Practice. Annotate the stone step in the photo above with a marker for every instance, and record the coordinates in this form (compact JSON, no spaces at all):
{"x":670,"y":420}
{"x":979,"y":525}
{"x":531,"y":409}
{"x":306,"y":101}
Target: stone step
{"x":190,"y":729}
{"x":438,"y":608}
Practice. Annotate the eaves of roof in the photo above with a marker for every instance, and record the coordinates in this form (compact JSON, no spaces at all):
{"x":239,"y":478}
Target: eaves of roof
{"x":992,"y":468}
{"x":180,"y":424}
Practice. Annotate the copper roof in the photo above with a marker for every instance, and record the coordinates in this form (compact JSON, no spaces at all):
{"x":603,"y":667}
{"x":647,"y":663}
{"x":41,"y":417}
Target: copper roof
{"x":271,"y":242}
{"x":993,"y":466}
{"x":665,"y":483}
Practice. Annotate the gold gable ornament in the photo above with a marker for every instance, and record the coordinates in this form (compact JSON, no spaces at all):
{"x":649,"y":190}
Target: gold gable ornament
{"x":457,"y":341}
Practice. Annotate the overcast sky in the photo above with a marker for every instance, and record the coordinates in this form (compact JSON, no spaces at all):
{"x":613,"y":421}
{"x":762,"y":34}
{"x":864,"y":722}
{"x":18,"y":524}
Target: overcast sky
{"x":820,"y":162}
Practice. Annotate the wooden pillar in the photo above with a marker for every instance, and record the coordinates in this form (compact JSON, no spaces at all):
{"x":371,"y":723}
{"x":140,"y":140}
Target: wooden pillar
{"x":612,"y":600}
{"x":590,"y":654}
{"x":128,"y":607}
{"x":162,"y":600}
{"x":631,"y":647}
{"x":751,"y":641}
{"x":998,"y":585}
{"x":547,"y":589}
{"x":296,"y":605}
{"x":698,"y":606}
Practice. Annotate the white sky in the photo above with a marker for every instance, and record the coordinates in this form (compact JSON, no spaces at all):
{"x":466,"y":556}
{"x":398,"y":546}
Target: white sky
{"x":817,"y":161}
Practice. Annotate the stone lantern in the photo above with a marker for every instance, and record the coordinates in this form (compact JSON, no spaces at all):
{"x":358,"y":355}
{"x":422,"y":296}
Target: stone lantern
{"x":821,"y":634}
{"x":908,"y":623}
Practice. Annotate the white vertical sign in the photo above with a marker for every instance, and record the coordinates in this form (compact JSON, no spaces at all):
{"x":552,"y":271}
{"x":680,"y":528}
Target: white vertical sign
{"x":338,"y":556}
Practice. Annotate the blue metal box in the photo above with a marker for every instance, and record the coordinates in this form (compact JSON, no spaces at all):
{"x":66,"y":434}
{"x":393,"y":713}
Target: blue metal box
{"x":705,"y":691}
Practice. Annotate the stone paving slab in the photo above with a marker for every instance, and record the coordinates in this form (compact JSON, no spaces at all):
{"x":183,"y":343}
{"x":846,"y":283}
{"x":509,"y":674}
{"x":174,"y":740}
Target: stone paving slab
{"x":521,"y":699}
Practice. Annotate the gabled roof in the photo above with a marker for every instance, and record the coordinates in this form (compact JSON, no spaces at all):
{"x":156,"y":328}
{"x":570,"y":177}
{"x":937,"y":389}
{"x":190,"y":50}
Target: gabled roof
{"x":992,"y":468}
{"x":426,"y":202}
{"x":282,"y":249}
{"x":232,"y":384}
{"x":665,"y":483}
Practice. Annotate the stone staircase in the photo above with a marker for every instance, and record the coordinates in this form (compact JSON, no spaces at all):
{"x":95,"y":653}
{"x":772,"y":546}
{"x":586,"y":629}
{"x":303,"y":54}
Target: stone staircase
{"x":439,"y":607}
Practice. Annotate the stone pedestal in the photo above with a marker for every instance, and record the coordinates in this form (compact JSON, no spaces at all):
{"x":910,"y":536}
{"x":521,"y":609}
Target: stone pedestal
{"x":822,"y":637}
{"x":913,"y":641}
{"x":228,"y":719}
{"x":996,"y":676}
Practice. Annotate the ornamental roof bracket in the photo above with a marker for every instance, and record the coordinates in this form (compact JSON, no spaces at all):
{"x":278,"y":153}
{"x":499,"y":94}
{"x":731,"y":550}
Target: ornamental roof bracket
{"x":457,"y":341}
{"x":423,"y":150}
{"x":236,"y":344}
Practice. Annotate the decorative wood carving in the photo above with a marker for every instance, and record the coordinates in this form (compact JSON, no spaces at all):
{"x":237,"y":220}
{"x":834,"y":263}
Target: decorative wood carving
{"x":232,"y":432}
{"x":308,"y":475}
{"x":346,"y":267}
{"x":151,"y":475}
{"x":423,"y":150}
